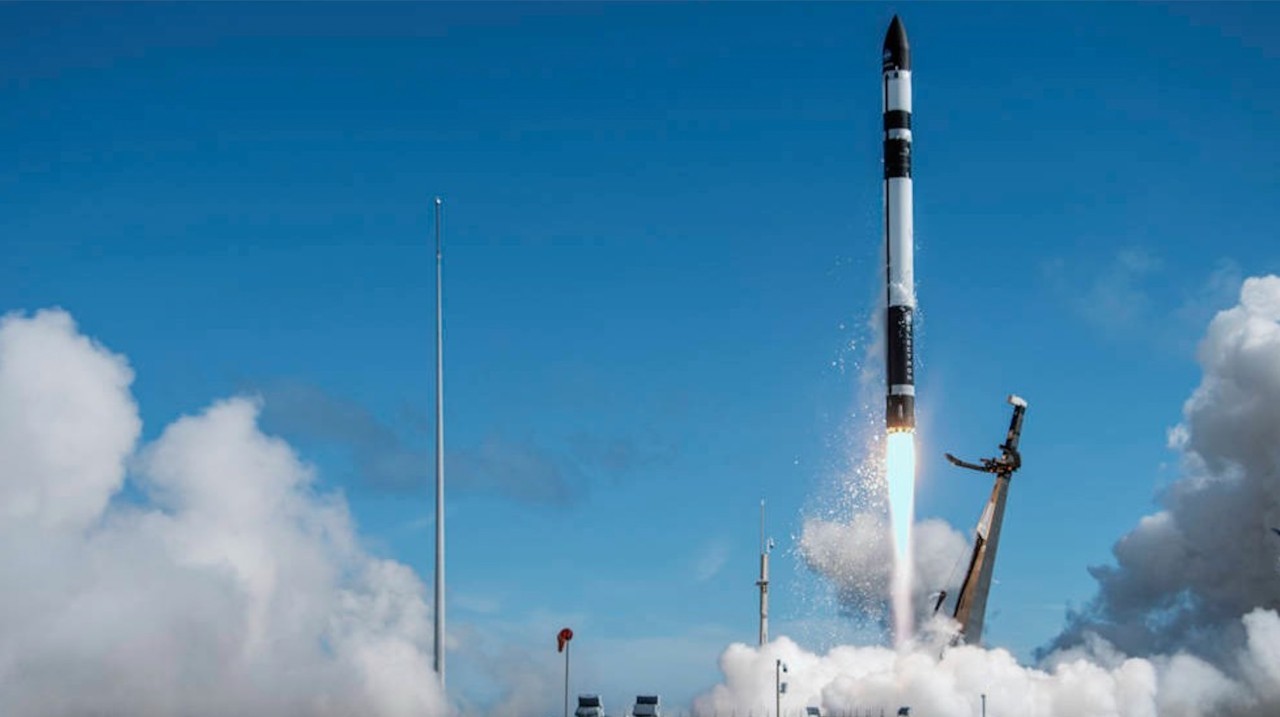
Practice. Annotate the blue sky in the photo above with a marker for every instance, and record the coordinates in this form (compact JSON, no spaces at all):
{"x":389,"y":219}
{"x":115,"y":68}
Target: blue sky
{"x":663,"y":239}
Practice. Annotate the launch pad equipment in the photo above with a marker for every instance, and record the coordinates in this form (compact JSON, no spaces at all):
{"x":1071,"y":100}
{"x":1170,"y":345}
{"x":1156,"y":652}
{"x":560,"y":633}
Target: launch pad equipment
{"x":589,"y":706}
{"x":971,"y":603}
{"x":646,"y":706}
{"x":766,"y":547}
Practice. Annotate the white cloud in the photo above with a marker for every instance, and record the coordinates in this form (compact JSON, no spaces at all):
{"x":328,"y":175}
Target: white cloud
{"x":711,"y":560}
{"x":1096,"y":681}
{"x":67,"y":422}
{"x":1113,"y":297}
{"x":1186,"y":574}
{"x":857,"y":559}
{"x":230,"y":586}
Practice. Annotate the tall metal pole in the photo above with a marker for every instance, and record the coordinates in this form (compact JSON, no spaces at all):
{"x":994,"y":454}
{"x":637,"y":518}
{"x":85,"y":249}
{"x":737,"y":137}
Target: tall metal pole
{"x":777,"y":688}
{"x":763,"y":582}
{"x":439,"y":601}
{"x":566,"y":679}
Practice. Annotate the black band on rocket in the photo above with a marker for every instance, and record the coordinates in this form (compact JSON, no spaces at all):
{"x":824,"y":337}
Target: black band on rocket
{"x":897,"y":158}
{"x":900,"y":359}
{"x":897,"y":119}
{"x":900,"y":408}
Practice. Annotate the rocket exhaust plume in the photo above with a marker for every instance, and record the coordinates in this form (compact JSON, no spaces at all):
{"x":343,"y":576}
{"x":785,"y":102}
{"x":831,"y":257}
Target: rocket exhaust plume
{"x":900,"y":419}
{"x":900,"y":470}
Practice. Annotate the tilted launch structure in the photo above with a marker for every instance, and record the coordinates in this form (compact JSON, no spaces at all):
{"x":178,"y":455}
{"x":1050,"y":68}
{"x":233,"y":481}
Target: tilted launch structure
{"x":971,"y":602}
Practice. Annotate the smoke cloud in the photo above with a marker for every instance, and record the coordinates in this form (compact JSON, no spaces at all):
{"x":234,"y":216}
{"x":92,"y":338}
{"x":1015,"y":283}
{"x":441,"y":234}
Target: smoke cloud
{"x":217,"y":580}
{"x":1184,"y":624}
{"x":1094,"y":680}
{"x":857,"y":559}
{"x":1184,"y":575}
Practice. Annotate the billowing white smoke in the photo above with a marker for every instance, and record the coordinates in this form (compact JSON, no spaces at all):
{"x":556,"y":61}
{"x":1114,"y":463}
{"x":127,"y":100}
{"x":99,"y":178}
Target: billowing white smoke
{"x":1185,"y":624}
{"x":224,"y":584}
{"x":857,"y":559}
{"x":1092,"y":682}
{"x":1185,"y":575}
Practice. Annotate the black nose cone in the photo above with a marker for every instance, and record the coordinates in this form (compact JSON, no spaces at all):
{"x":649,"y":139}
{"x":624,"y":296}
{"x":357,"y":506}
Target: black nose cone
{"x":897,"y":53}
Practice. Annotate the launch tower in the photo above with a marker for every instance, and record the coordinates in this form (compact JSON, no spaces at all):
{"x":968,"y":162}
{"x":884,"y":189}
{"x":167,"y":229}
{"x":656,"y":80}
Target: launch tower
{"x":971,"y":603}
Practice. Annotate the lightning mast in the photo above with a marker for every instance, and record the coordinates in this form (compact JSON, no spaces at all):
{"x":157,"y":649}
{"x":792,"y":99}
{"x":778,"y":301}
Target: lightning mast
{"x":439,"y":599}
{"x":766,"y":546}
{"x":971,"y":603}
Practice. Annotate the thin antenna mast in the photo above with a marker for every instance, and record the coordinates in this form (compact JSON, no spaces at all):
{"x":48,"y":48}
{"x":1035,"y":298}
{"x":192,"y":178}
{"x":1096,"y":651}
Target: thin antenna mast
{"x":763,"y":583}
{"x":439,"y":601}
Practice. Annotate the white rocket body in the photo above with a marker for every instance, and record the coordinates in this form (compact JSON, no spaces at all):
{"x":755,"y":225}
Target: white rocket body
{"x":899,"y":235}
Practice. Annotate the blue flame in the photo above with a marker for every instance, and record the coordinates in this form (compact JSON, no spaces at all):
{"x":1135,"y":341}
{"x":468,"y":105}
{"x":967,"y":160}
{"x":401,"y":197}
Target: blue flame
{"x":900,"y":471}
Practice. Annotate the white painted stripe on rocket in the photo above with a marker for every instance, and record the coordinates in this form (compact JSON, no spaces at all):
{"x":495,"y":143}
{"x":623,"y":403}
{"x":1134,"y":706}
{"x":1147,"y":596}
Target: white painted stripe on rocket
{"x":900,"y":242}
{"x":897,"y":90}
{"x":902,"y":389}
{"x":898,"y":134}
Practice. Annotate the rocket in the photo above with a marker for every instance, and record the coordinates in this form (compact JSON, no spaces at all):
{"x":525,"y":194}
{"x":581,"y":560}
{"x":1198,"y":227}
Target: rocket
{"x":900,"y":398}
